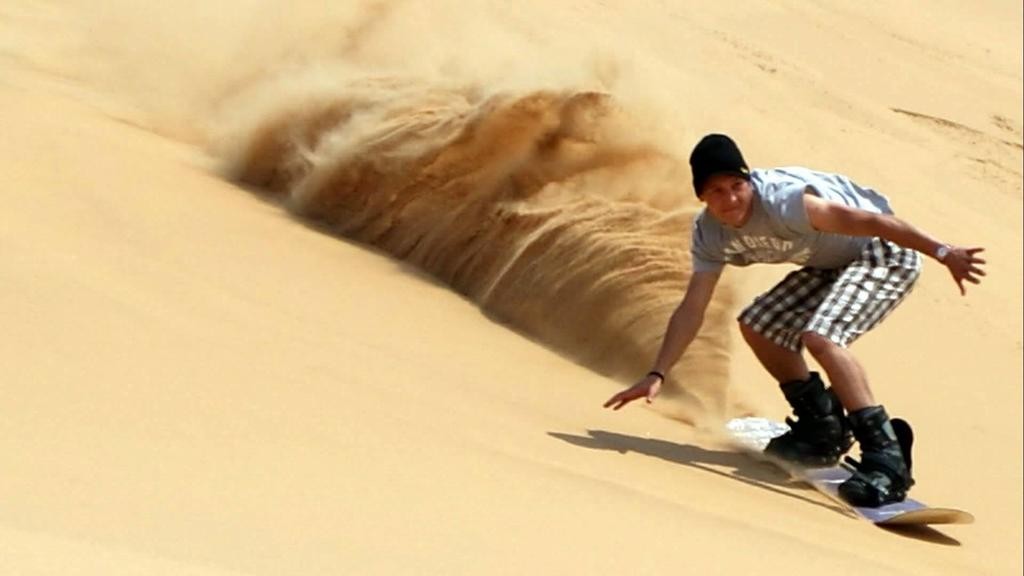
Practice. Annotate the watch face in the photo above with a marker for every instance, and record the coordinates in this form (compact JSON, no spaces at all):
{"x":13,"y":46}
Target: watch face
{"x":942,"y":252}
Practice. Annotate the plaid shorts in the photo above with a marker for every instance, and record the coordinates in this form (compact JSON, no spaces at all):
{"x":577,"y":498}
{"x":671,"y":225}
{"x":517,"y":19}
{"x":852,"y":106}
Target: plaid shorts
{"x":840,"y":304}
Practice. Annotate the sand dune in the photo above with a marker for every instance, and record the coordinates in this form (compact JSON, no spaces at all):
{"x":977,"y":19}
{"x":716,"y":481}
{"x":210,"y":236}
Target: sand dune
{"x":305,"y":290}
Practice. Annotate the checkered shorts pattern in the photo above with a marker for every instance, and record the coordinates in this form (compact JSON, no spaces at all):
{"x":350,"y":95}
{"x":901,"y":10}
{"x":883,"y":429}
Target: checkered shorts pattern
{"x":839,"y":304}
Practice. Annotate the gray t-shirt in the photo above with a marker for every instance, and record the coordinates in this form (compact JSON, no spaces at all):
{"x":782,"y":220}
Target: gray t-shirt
{"x":778,"y":229}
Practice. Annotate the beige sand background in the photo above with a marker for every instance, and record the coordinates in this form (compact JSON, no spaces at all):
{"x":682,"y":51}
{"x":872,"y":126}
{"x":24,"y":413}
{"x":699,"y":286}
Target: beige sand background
{"x":289,"y":289}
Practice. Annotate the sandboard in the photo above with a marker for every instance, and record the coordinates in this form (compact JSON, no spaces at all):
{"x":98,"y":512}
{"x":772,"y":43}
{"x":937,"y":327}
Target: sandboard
{"x":753,"y":434}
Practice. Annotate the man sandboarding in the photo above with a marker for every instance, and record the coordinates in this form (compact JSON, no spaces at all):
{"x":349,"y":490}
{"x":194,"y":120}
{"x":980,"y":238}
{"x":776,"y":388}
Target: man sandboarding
{"x":858,"y":263}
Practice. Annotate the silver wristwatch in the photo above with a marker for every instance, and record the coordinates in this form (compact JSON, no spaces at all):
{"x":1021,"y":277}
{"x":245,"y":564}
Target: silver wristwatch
{"x":941,"y":252}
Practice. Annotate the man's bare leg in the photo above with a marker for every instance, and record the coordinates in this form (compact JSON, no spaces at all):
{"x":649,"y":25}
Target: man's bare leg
{"x":819,"y":435}
{"x":844,"y":371}
{"x":783,"y":364}
{"x":847,"y":376}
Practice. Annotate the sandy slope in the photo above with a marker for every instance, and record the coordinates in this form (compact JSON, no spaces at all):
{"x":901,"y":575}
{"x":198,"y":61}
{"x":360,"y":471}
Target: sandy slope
{"x":195,"y":382}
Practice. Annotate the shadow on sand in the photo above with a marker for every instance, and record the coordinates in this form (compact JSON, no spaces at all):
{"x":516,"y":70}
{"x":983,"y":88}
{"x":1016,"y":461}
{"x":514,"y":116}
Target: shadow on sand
{"x":745,"y":468}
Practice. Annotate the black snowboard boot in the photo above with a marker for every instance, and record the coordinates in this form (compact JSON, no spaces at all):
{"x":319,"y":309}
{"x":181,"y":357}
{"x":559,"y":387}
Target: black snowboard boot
{"x":820,"y":434}
{"x":883,"y":474}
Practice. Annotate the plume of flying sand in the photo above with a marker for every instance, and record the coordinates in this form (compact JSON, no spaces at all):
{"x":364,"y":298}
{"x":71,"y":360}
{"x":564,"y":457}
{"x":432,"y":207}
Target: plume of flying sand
{"x":548,"y":193}
{"x":541,"y":206}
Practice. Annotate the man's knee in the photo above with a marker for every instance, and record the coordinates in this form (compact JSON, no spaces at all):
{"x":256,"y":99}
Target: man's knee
{"x":815,"y":343}
{"x":750,"y":335}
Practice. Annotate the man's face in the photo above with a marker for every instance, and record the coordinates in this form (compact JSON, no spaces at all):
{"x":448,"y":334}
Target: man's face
{"x":729,"y":198}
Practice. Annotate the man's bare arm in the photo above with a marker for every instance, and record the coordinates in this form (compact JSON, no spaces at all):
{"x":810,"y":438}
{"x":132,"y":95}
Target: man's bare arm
{"x":838,"y":218}
{"x":682,"y":329}
{"x":686,"y":320}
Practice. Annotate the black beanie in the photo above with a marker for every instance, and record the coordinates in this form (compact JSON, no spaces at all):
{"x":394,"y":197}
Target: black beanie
{"x":714,"y":154}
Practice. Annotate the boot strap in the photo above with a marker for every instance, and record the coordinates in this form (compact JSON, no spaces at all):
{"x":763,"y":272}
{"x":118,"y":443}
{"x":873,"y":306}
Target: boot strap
{"x":876,"y":471}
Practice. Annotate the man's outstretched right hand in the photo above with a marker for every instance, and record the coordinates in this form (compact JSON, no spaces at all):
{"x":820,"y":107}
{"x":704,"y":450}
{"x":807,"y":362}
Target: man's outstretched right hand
{"x":648,"y":388}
